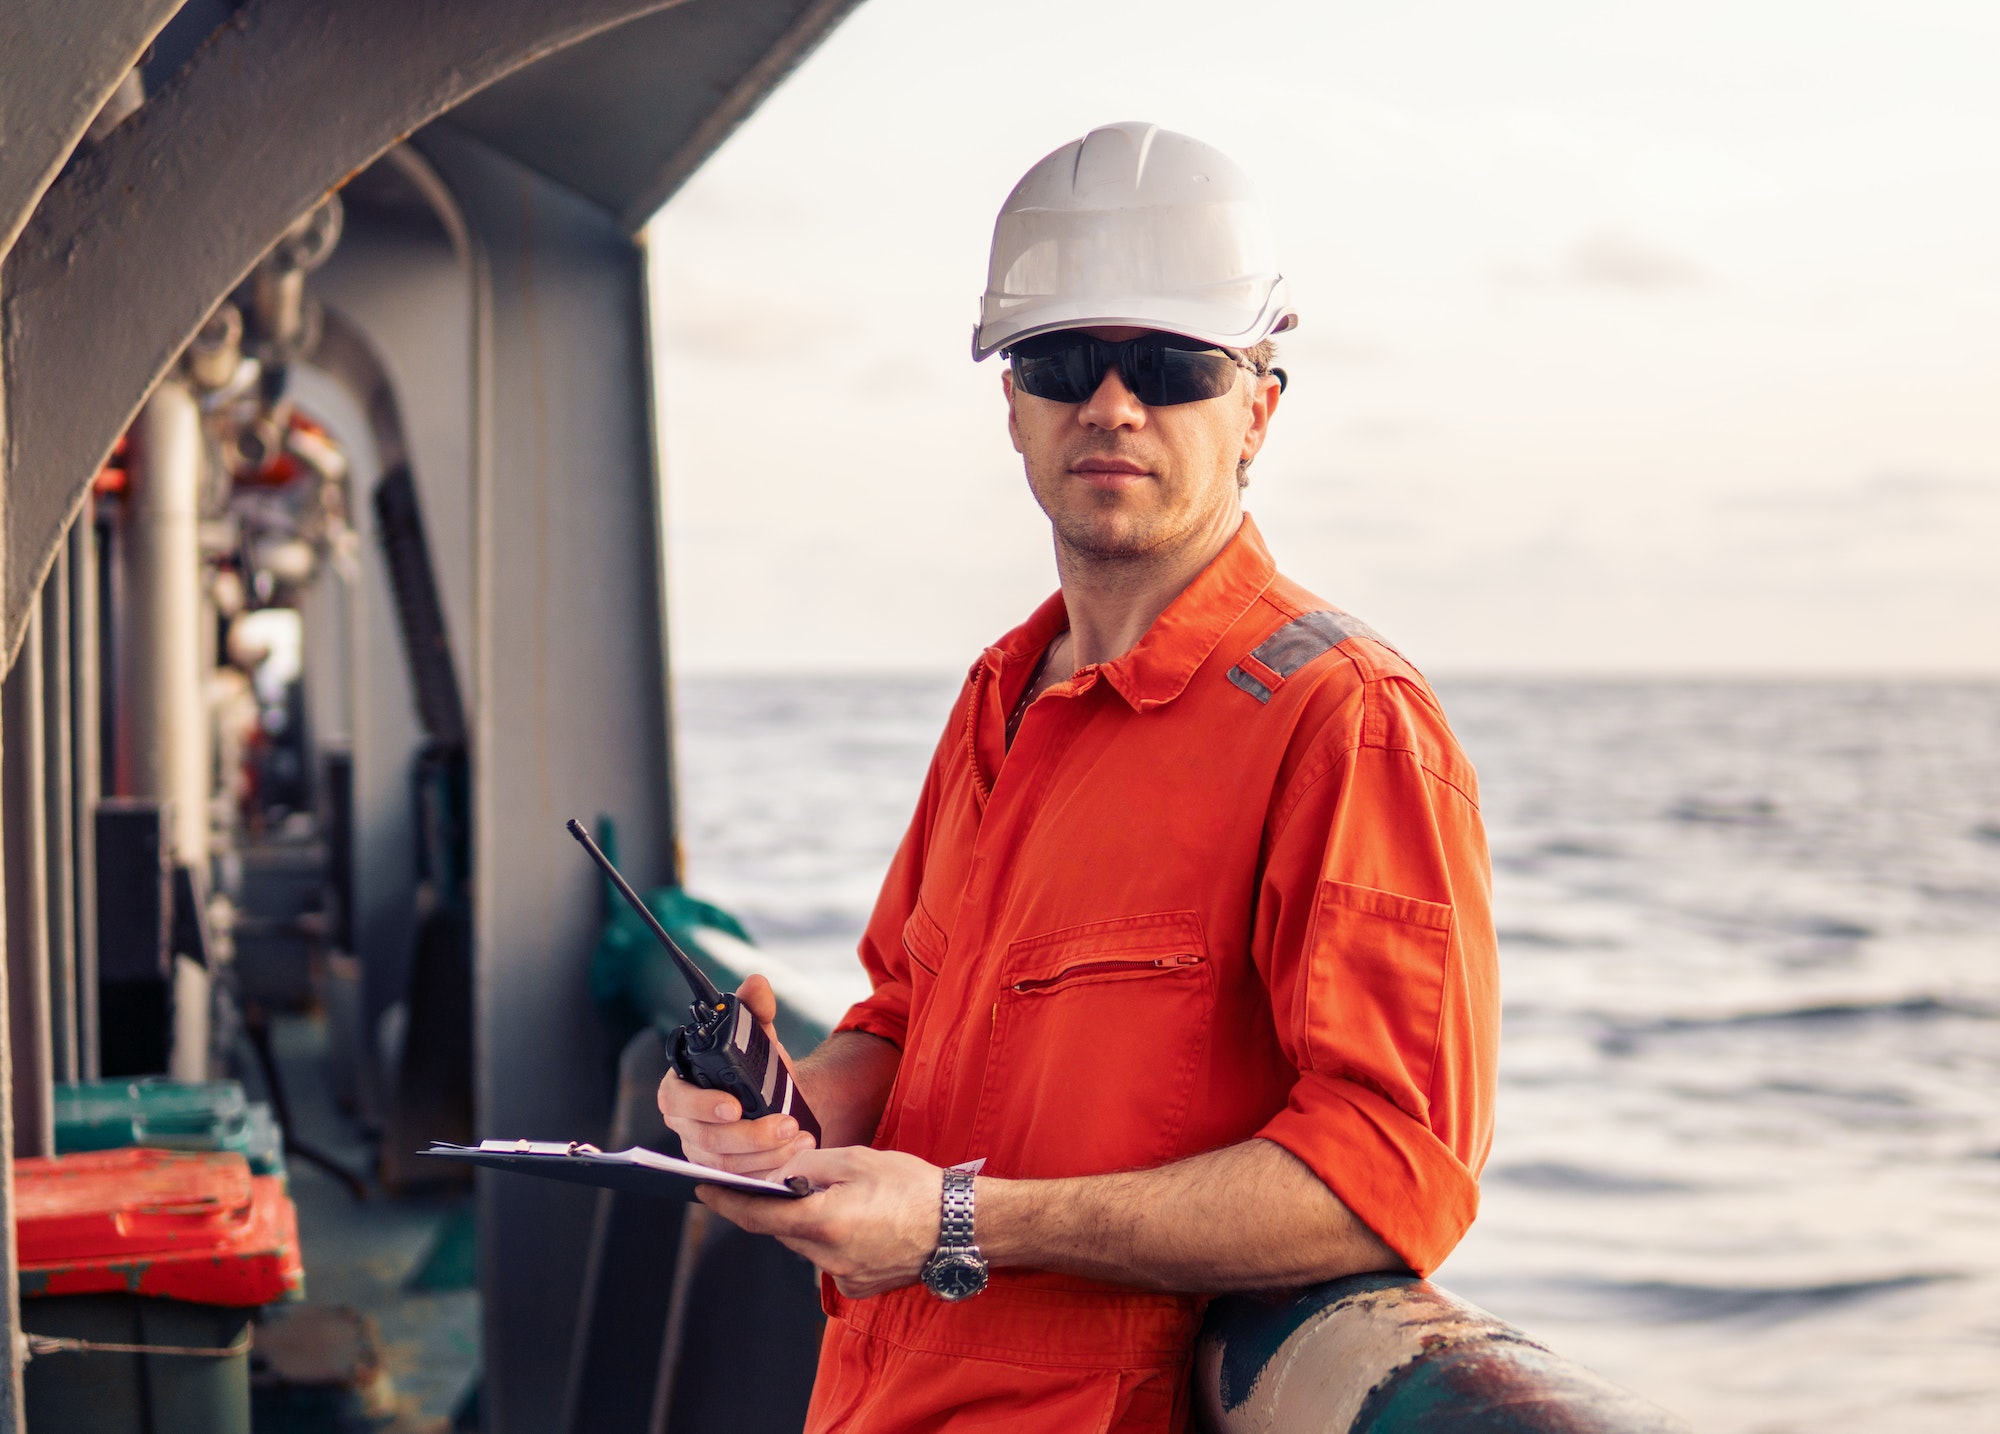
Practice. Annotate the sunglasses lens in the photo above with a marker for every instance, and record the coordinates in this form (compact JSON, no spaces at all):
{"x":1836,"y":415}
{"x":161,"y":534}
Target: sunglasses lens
{"x":1060,"y":371}
{"x":1161,"y":376}
{"x":1067,"y":368}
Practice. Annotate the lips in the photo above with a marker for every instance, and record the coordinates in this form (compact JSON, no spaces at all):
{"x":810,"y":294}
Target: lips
{"x":1108,"y":472}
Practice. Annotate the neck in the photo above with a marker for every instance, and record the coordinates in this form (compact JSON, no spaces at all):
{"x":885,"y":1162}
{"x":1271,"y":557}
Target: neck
{"x":1112,"y":600}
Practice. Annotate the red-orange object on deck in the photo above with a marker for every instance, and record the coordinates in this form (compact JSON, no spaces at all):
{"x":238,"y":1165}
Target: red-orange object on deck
{"x":194,"y":1226}
{"x":113,"y":477}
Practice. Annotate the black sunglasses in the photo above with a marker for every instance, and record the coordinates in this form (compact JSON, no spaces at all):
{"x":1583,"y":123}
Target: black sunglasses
{"x":1160,"y":369}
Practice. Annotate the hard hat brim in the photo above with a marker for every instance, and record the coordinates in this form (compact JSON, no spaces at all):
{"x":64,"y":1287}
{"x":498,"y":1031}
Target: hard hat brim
{"x":1191,"y":319}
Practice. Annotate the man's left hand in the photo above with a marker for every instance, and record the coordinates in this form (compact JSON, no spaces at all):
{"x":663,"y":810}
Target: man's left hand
{"x":871,"y":1227}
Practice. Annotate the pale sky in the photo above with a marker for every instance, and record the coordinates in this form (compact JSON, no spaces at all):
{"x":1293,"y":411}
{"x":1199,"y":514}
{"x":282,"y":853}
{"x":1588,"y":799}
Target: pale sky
{"x":1635,"y":337}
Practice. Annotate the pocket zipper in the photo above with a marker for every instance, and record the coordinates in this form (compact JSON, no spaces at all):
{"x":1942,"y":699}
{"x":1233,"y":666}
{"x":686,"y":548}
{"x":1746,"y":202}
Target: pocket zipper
{"x":1097,"y":967}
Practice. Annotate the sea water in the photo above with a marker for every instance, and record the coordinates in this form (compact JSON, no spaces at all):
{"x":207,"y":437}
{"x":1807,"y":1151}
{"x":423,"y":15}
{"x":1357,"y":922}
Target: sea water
{"x":1748,"y":1153}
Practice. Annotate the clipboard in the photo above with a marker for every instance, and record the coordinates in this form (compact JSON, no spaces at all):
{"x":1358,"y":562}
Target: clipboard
{"x":640,"y":1171}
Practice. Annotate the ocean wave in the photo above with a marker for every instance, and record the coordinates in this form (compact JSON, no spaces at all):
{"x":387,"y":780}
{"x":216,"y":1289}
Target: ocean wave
{"x":1574,"y":846}
{"x":1556,"y":1175}
{"x":1888,"y":1097}
{"x":769,"y":926}
{"x":1829,"y":928}
{"x":1743,"y":812}
{"x":1976,"y":895}
{"x":1664,"y":1302}
{"x":1674,"y":1302}
{"x":1551,"y":940}
{"x":1620,"y":1035}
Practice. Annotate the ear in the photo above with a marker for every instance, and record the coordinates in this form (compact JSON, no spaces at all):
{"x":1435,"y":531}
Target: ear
{"x":1013,"y":418}
{"x":1263,"y":403}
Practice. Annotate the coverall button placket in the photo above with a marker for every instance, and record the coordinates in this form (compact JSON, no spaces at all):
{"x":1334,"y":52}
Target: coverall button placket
{"x":1005,"y":827}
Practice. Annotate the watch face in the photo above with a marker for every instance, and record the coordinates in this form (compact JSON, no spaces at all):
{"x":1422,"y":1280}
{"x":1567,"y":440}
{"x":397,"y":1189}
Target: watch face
{"x":955,"y":1274}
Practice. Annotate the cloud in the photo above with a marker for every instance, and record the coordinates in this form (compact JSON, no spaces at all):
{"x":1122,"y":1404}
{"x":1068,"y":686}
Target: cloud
{"x":1333,"y":347}
{"x":1621,"y":261}
{"x":1887,"y":495}
{"x":697,"y":319}
{"x":1610,"y":259}
{"x":1389,"y":427}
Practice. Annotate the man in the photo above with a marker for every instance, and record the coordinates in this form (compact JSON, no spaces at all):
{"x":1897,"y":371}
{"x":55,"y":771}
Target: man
{"x":1189,"y":941}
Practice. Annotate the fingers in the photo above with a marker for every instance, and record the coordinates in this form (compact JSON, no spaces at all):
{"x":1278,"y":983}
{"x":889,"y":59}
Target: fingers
{"x":870,"y":1226}
{"x":751,"y":1137}
{"x":681,"y":1101}
{"x":756,"y":993}
{"x":752,"y":1212}
{"x":827,"y":1167}
{"x":764,"y":1164}
{"x":713,"y":1132}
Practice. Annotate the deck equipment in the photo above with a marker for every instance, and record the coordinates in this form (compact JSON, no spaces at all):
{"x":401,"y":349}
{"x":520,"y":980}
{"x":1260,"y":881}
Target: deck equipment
{"x":722,"y":1047}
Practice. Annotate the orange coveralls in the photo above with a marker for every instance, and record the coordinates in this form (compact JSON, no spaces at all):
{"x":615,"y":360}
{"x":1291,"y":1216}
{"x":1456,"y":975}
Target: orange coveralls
{"x":1232,"y":884}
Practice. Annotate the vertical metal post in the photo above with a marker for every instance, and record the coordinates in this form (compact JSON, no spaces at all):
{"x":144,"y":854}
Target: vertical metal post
{"x":26,"y":865}
{"x":676,"y":864}
{"x":59,"y":815}
{"x":86,"y":775}
{"x":163,"y":744}
{"x":162,"y":705}
{"x":11,"y":1399}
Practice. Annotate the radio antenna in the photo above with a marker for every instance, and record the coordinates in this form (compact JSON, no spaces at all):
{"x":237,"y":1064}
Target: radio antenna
{"x":704,"y":989}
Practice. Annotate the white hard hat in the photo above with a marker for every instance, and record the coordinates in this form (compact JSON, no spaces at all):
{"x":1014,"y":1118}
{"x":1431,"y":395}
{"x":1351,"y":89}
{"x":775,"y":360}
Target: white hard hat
{"x":1135,"y":226}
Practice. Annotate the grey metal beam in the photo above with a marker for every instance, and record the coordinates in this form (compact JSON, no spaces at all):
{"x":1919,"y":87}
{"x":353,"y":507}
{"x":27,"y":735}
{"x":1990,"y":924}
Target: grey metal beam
{"x":10,"y":1278}
{"x":569,"y":712}
{"x":799,"y":40}
{"x":59,"y":815}
{"x":56,"y":72}
{"x":10,"y":1282}
{"x":624,"y":118}
{"x":26,"y":864}
{"x":86,"y":777}
{"x":148,"y":230}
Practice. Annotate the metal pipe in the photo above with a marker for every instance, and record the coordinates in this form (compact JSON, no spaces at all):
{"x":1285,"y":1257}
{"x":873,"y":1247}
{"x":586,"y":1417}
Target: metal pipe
{"x":163,"y":726}
{"x":86,"y":768}
{"x":162,"y":718}
{"x":26,"y":864}
{"x":216,"y":351}
{"x":1392,"y":1354}
{"x":59,"y":813}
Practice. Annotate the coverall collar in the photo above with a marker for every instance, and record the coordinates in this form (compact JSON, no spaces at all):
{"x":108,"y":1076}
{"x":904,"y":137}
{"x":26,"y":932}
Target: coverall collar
{"x":1158,"y":667}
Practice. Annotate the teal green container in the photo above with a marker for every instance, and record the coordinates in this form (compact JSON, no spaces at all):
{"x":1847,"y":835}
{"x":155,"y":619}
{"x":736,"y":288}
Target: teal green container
{"x":101,"y":1392}
{"x":176,"y":1115}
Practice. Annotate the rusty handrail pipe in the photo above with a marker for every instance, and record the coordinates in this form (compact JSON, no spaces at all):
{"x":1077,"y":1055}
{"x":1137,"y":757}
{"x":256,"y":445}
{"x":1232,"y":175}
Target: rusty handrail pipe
{"x":1386,"y":1354}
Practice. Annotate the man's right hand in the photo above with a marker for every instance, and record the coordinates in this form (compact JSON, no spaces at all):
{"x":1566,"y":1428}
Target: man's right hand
{"x":710,"y":1123}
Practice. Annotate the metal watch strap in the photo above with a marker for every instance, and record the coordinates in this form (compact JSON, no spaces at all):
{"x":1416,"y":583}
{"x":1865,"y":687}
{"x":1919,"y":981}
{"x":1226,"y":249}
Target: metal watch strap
{"x":955,"y":1224}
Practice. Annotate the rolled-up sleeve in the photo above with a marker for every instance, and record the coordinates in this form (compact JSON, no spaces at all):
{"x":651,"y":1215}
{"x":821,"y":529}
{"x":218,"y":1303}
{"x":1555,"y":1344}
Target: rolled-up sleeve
{"x":1375,"y":938}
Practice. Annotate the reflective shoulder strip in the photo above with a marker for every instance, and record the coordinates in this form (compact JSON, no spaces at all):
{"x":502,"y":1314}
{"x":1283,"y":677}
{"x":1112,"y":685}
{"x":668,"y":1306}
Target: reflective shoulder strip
{"x":1291,"y":647}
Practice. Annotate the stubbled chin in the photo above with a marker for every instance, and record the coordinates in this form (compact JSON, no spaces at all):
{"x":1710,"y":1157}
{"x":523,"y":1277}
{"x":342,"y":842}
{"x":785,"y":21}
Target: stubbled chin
{"x":1108,"y":534}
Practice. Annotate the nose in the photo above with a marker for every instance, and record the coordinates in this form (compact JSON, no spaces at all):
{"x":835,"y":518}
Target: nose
{"x":1112,"y":406}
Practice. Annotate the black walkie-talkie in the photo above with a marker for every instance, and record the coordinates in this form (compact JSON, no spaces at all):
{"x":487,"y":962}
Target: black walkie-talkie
{"x":723,"y":1047}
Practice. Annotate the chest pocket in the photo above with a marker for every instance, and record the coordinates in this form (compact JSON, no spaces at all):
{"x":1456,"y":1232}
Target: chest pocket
{"x":1098,"y":1035}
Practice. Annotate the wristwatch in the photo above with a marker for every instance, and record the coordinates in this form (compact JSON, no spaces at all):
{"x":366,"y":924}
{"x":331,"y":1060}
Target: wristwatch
{"x":956,"y":1270}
